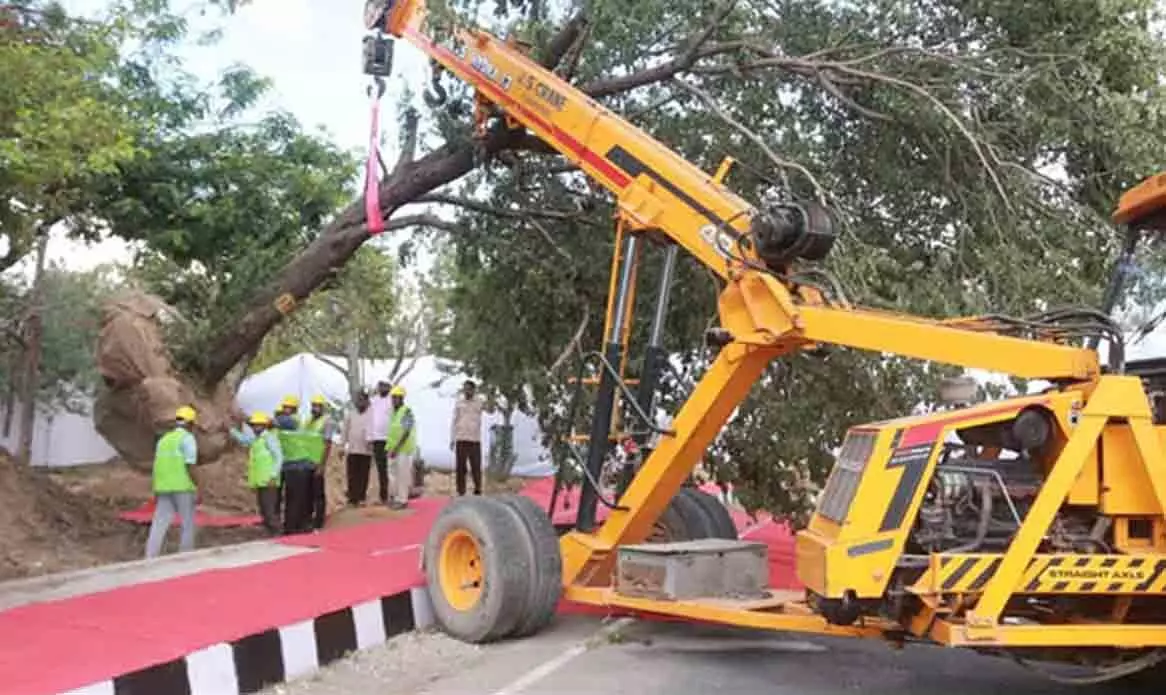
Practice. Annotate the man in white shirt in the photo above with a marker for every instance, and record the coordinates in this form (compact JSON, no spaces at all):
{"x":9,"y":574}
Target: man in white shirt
{"x":380,"y":412}
{"x":465,"y":438}
{"x":357,"y":452}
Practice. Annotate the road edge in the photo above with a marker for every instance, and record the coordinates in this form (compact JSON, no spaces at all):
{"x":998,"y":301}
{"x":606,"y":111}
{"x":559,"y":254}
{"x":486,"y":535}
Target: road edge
{"x":276,"y":655}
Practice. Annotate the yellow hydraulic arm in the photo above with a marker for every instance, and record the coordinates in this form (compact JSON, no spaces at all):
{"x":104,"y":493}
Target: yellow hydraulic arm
{"x":764,"y":312}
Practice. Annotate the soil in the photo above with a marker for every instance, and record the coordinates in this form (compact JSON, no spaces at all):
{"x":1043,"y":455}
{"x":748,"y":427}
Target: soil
{"x":56,"y":521}
{"x":66,"y":519}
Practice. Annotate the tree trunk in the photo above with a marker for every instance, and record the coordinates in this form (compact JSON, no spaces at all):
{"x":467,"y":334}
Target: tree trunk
{"x":30,"y":378}
{"x":10,"y":395}
{"x":339,"y":240}
{"x":355,"y":373}
{"x":335,"y":245}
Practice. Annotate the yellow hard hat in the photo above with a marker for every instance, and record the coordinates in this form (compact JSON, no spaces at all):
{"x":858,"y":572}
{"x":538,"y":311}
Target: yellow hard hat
{"x":289,"y":402}
{"x":185,"y":413}
{"x":398,"y":391}
{"x":259,"y":418}
{"x":319,"y":400}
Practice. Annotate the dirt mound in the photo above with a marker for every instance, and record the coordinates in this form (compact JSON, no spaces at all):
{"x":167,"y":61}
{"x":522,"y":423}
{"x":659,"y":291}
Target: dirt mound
{"x":142,"y":390}
{"x":45,"y":526}
{"x":66,"y":519}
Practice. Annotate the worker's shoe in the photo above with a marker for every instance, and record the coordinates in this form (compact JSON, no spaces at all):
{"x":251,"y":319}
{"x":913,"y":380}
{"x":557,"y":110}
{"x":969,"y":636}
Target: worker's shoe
{"x":398,"y":506}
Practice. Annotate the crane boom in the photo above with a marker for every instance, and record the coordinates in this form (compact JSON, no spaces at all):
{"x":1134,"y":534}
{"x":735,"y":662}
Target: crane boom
{"x":657,"y":189}
{"x":655,"y":186}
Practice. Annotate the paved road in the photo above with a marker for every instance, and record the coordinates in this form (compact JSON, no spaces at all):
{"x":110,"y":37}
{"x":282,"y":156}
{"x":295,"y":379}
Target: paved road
{"x":577,"y":657}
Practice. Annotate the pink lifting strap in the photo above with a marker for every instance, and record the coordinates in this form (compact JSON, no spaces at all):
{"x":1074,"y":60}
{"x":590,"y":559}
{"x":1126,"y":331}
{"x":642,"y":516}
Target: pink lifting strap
{"x":372,"y":199}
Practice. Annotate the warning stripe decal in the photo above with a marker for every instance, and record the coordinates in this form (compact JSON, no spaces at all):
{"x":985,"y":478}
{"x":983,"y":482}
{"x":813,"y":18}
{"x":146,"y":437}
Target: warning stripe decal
{"x":1049,"y":574}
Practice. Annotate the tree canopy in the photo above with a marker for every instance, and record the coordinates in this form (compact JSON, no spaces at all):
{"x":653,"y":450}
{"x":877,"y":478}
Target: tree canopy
{"x":214,"y":196}
{"x":70,"y":311}
{"x":108,"y":134}
{"x":62,"y":119}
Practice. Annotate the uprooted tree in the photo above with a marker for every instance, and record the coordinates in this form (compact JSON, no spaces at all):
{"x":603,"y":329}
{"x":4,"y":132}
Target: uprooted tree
{"x":971,"y":151}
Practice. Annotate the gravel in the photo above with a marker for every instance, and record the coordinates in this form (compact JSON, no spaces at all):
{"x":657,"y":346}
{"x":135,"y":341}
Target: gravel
{"x":402,"y":666}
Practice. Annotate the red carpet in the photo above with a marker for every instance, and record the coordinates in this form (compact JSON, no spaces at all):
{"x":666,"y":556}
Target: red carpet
{"x":125,"y":629}
{"x":59,"y":645}
{"x":145,"y":514}
{"x":380,"y":536}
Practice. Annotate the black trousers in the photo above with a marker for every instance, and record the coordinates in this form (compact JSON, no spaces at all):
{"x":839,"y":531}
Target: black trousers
{"x":357,"y":467}
{"x":298,"y":499}
{"x":319,"y":499}
{"x":468,"y":454}
{"x":381,"y":458}
{"x":266,"y":499}
{"x":279,"y":496}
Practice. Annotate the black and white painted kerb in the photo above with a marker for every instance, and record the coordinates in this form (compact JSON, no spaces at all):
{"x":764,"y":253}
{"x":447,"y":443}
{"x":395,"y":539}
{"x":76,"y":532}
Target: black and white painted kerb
{"x":257,"y":661}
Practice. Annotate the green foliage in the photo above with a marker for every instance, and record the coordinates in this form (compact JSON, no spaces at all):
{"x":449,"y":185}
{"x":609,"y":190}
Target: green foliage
{"x":221,"y":200}
{"x":63,"y":115}
{"x":103,"y":127}
{"x":70,"y":321}
{"x":500,"y":458}
{"x":360,"y":307}
{"x":972,"y":152}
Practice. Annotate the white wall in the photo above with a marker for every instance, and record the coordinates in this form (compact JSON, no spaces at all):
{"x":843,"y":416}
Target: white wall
{"x":61,"y":439}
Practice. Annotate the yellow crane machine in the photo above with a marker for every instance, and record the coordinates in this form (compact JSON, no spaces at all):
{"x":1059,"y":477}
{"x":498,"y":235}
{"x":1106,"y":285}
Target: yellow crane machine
{"x":1031,"y":527}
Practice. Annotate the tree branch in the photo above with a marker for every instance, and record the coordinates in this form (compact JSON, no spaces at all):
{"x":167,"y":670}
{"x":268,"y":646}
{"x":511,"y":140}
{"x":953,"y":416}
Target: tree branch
{"x":486,"y":208}
{"x":571,"y":56}
{"x":711,"y":105}
{"x":546,"y":235}
{"x":573,"y":344}
{"x":334,"y":365}
{"x":408,"y":140}
{"x":567,"y":37}
{"x":835,"y":91}
{"x":340,"y":239}
{"x":829,"y":74}
{"x":697,"y":48}
{"x":949,"y":114}
{"x":398,"y":223}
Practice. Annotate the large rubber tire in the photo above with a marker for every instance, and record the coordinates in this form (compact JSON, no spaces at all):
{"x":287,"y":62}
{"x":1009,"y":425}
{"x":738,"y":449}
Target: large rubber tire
{"x":697,"y":522}
{"x":720,"y":521}
{"x":546,"y":566}
{"x":671,"y":527}
{"x":477,"y":544}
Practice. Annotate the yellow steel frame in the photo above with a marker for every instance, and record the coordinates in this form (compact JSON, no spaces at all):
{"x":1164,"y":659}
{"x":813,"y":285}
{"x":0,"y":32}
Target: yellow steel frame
{"x":657,"y":189}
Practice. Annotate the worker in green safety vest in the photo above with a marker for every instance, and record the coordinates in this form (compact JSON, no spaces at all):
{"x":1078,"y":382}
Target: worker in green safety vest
{"x":263,"y":466}
{"x":174,"y":483}
{"x":401,"y":444}
{"x":322,"y":428}
{"x":298,"y":468}
{"x":288,"y":407}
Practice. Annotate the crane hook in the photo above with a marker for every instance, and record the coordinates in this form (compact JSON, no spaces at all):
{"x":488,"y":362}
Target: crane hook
{"x":438,"y":95}
{"x":380,"y":86}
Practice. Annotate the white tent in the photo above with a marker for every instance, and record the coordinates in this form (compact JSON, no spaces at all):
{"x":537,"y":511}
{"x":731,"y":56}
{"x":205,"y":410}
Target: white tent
{"x":430,"y":392}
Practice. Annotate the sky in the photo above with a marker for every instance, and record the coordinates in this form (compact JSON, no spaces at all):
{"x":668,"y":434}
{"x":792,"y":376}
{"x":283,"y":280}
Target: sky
{"x":311,"y":49}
